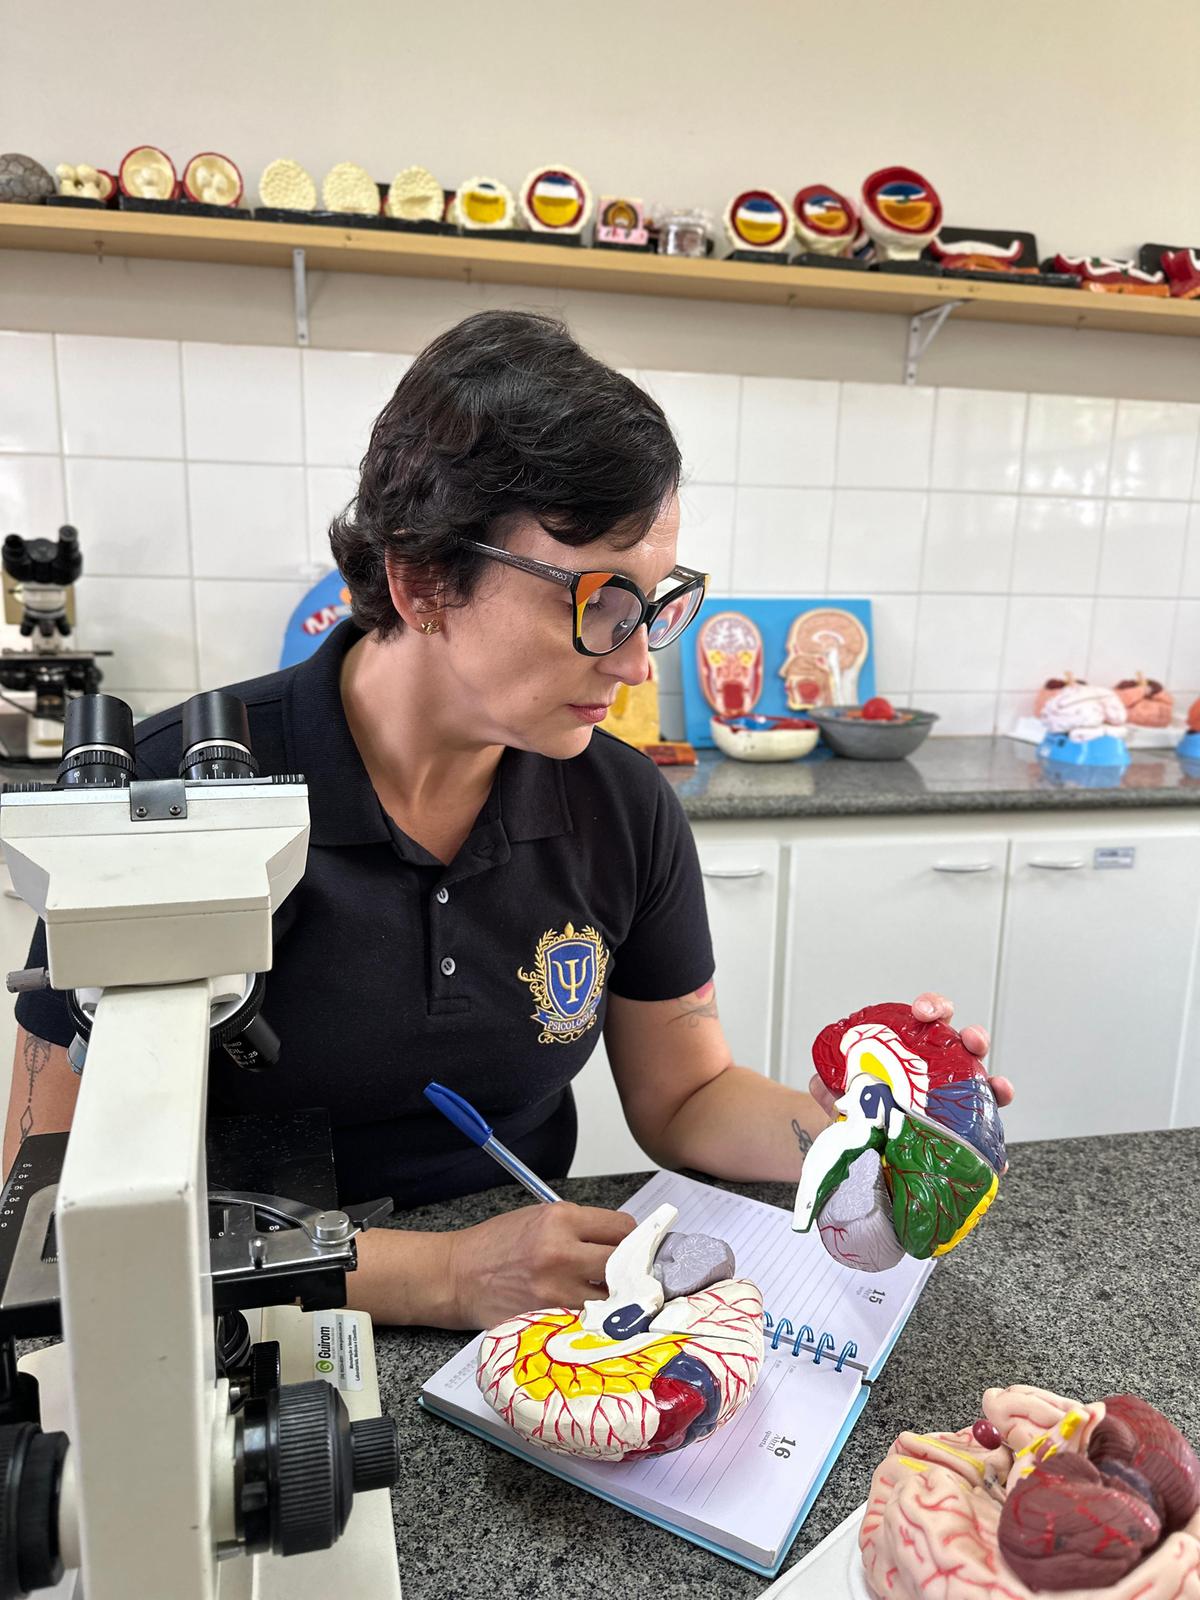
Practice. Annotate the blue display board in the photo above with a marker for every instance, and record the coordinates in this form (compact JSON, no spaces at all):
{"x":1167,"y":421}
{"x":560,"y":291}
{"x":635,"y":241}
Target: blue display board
{"x":322,"y":608}
{"x":741,"y":656}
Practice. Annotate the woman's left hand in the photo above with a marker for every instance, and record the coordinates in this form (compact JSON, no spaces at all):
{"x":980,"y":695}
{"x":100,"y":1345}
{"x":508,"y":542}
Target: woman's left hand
{"x":936,"y":1008}
{"x":932,"y":1007}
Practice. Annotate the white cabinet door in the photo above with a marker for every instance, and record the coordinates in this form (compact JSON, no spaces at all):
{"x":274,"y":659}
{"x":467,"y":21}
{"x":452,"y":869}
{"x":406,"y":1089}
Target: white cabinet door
{"x":1095,"y":970}
{"x":741,"y":887}
{"x":884,"y":919}
{"x":741,"y":891}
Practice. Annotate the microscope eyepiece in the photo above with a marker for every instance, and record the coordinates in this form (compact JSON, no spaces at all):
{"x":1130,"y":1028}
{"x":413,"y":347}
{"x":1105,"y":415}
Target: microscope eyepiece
{"x":216,"y":738}
{"x":97,"y":743}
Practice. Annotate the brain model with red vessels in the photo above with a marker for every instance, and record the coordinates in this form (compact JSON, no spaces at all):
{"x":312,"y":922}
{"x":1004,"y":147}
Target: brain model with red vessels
{"x":1042,"y":1495}
{"x":668,"y":1357}
{"x":914,"y":1160}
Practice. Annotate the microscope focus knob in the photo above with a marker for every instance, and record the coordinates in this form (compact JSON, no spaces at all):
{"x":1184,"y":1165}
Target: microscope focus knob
{"x":300,"y":1462}
{"x":31,"y":1464}
{"x":376,"y":1453}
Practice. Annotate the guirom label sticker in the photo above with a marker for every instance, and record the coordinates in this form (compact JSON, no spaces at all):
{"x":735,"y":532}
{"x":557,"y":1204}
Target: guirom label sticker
{"x":336,"y":1354}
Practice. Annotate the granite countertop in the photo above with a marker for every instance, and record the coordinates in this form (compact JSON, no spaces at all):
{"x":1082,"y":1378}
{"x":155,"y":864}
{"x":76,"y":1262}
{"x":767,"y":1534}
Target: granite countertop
{"x":1075,"y":1281}
{"x":944,"y":775}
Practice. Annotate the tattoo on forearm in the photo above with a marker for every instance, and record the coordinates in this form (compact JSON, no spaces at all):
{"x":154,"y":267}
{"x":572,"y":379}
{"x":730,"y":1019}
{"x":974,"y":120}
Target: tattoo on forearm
{"x":803,"y":1139}
{"x":693,"y":1008}
{"x":36,"y":1055}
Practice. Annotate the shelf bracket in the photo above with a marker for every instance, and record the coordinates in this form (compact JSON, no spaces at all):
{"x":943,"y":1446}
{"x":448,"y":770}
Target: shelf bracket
{"x":922,"y":331}
{"x":300,"y":295}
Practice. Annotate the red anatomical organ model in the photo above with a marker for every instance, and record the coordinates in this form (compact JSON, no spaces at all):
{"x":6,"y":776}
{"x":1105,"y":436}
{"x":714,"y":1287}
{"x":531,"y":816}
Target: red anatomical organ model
{"x":1147,"y":704}
{"x":729,"y":655}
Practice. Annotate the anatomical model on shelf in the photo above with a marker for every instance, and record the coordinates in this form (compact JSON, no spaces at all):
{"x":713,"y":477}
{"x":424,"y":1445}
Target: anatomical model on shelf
{"x":84,"y":182}
{"x":23,"y":181}
{"x":286,"y":186}
{"x":901,"y":211}
{"x":482,"y":205}
{"x":621,"y":221}
{"x":826,"y":648}
{"x":1108,"y":275}
{"x":556,"y":200}
{"x":1147,"y":704}
{"x":668,"y":1356}
{"x":148,"y":173}
{"x":213,"y":180}
{"x":826,"y":221}
{"x":415,"y":195}
{"x":1181,"y":268}
{"x":729,"y":657}
{"x":914,"y":1160}
{"x":1084,"y":711}
{"x":758,"y":222}
{"x":1043,"y":1494}
{"x":351,"y":189}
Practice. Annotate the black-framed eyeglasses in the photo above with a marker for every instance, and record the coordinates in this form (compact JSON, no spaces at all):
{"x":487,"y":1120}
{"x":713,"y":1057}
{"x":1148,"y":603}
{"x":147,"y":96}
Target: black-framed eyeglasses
{"x":609,"y":607}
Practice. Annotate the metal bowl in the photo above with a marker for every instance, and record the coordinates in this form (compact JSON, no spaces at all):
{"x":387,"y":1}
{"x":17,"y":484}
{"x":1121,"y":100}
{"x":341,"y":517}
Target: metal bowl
{"x":847,"y":733}
{"x":757,"y":738}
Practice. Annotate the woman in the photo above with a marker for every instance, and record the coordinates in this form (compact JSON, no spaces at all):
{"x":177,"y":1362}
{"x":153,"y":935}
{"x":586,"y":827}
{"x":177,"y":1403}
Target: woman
{"x":490,"y":883}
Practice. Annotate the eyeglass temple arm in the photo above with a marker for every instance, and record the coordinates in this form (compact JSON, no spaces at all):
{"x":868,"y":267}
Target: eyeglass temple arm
{"x":539,"y":569}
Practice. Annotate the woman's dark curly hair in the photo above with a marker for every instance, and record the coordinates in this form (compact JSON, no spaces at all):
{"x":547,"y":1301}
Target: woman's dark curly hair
{"x":502,"y":414}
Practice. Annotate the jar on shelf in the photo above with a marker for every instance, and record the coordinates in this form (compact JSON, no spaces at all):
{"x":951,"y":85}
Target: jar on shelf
{"x":684,"y":233}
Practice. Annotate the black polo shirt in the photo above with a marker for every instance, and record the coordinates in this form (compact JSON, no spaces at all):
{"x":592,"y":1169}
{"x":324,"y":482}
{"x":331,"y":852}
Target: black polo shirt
{"x":490,"y":974}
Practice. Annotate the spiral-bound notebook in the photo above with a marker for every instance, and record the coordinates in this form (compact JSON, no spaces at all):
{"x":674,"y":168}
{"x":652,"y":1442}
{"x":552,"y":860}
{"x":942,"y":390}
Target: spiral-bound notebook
{"x":746,"y":1490}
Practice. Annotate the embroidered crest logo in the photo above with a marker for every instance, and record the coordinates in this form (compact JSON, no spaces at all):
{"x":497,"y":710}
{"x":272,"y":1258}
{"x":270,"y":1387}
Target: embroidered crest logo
{"x":566,"y":983}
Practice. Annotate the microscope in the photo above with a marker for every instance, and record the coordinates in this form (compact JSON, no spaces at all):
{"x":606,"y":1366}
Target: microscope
{"x":208,"y":1427}
{"x":39,"y":576}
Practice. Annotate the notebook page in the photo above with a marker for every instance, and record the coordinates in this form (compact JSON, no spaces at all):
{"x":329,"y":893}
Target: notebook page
{"x":741,"y":1489}
{"x":798,"y":1279}
{"x":744,"y":1487}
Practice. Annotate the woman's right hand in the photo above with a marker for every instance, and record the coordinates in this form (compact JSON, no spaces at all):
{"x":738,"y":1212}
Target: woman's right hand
{"x":537,"y":1256}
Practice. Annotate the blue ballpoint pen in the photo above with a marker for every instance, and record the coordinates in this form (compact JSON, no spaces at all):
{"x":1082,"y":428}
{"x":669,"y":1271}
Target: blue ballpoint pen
{"x":467,"y":1120}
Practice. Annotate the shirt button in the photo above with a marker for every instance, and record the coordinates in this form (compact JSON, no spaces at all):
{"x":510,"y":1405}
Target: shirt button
{"x":442,"y":896}
{"x":448,"y":966}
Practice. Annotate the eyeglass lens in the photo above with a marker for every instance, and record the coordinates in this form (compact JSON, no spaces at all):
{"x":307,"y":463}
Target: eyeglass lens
{"x":610,"y":614}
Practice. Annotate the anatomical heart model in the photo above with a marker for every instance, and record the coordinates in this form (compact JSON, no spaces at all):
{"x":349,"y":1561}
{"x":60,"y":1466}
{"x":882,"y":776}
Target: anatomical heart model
{"x":729,"y":655}
{"x":1042,"y":1494}
{"x":670,"y":1355}
{"x":915,"y":1158}
{"x":825,"y":650}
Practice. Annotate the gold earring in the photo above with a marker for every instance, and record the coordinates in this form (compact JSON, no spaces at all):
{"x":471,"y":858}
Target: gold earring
{"x":431,"y":627}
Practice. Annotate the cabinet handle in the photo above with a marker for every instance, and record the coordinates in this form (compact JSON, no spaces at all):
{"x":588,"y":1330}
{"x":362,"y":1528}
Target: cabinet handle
{"x":11,"y":894}
{"x":964,"y":866}
{"x":732,"y":872}
{"x":1071,"y":865}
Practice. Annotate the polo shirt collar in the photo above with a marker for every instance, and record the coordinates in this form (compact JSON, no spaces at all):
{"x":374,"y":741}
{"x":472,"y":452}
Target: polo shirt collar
{"x":528,"y":801}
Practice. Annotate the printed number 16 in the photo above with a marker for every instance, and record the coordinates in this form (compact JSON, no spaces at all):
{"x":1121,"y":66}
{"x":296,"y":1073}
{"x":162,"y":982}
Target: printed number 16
{"x":780,"y":1451}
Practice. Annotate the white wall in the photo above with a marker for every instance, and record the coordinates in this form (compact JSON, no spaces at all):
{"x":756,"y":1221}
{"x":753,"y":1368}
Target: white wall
{"x":1070,"y":117}
{"x":1001,"y":537}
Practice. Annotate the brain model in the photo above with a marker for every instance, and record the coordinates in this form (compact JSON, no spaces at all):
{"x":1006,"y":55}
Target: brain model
{"x":1050,"y":688}
{"x":1147,"y":704}
{"x":1043,"y":1495}
{"x":1085,"y":711}
{"x":915,"y":1158}
{"x":667,"y":1358}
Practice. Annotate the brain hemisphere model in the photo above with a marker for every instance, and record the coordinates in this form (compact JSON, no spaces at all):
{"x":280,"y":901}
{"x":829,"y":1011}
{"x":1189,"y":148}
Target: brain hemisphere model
{"x":1084,"y":711}
{"x":1043,"y":1495}
{"x":825,"y":650}
{"x":1147,"y":704}
{"x":915,"y":1158}
{"x":642,"y":1372}
{"x":729,"y":656}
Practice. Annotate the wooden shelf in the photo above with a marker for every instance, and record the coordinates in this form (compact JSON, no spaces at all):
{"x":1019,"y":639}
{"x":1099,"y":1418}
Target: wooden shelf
{"x":488,"y":260}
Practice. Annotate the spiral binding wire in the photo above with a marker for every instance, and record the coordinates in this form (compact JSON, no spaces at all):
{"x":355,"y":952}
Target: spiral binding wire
{"x":805,"y":1339}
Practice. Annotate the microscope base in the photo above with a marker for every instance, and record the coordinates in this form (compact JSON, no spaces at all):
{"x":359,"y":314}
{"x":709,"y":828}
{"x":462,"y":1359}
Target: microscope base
{"x":363,"y":1562}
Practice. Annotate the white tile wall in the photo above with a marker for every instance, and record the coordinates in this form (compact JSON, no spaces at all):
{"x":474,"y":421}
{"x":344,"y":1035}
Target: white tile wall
{"x":1001,"y":537}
